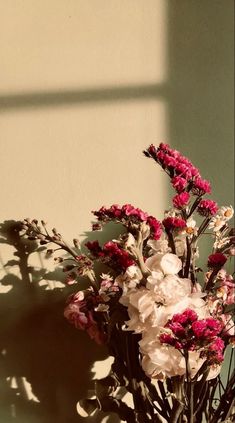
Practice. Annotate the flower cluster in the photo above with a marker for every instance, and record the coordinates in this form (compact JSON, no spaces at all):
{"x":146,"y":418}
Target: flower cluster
{"x":158,"y":316}
{"x":188,"y":333}
{"x":110,"y":253}
{"x":185,"y":178}
{"x":130,"y":217}
{"x":80,"y":311}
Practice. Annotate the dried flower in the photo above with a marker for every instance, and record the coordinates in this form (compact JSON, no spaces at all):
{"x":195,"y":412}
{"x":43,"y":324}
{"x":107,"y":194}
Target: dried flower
{"x":216,"y":260}
{"x":207,"y":208}
{"x":181,"y":200}
{"x":172,"y":223}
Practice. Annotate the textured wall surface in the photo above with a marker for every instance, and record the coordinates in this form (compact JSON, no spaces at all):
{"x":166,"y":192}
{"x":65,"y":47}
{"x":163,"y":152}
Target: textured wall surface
{"x":85,"y":86}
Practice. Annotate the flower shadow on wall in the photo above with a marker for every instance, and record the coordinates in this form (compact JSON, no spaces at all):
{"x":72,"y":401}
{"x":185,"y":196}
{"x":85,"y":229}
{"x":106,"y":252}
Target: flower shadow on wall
{"x":45,"y":363}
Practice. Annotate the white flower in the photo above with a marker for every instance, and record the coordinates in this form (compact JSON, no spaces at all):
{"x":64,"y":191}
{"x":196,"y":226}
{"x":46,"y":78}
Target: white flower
{"x":141,"y":304}
{"x":216,"y":223}
{"x":168,"y":264}
{"x":170,"y":289}
{"x":226,"y":212}
{"x":220,"y":242}
{"x":159,"y":246}
{"x":133,"y":272}
{"x":191,"y":226}
{"x":160,"y":361}
{"x":143,"y":301}
{"x":130,"y":279}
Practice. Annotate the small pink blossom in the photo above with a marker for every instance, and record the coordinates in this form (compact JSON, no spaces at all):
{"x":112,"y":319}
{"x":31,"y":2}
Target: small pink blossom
{"x":201,"y":186}
{"x":181,"y":200}
{"x":207,"y":208}
{"x":177,"y":329}
{"x":206,"y":329}
{"x":172,"y":223}
{"x":228,"y":287}
{"x":155,"y":228}
{"x":179,"y":183}
{"x":129,"y":210}
{"x":119,"y":256}
{"x":169,"y":161}
{"x":215,"y":351}
{"x":166,"y":338}
{"x":187,"y":317}
{"x":185,"y":170}
{"x":95,"y":248}
{"x":165,"y":147}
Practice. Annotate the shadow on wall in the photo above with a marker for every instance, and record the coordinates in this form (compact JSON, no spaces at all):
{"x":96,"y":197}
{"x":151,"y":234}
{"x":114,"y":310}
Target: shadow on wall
{"x":38,"y":346}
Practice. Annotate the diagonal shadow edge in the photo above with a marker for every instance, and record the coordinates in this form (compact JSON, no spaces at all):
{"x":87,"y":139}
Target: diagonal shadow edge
{"x":70,"y":97}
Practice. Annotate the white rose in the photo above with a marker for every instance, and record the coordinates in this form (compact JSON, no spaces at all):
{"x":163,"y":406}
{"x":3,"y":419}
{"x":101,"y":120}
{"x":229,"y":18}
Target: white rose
{"x":140,"y":303}
{"x":168,"y":264}
{"x":171,"y":289}
{"x":144,"y":302}
{"x":135,"y":324}
{"x":163,"y":361}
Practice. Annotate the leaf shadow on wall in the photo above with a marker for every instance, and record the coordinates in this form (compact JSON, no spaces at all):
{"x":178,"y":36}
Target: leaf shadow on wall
{"x":37,"y":345}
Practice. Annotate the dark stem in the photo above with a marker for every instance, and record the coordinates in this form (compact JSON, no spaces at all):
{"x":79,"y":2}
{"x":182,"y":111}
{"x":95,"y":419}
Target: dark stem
{"x":188,"y":258}
{"x":171,"y":242}
{"x":194,"y":206}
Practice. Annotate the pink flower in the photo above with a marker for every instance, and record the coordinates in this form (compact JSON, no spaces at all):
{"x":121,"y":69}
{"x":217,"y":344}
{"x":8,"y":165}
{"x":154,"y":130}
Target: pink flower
{"x":201,"y":186}
{"x":166,"y":338}
{"x":95,"y":248}
{"x":187,"y":317}
{"x":181,"y":200}
{"x":119,"y":256}
{"x":165,"y":147}
{"x":228,"y":288}
{"x":207,"y":208}
{"x":160,"y":156}
{"x":169,"y":161}
{"x":184,"y":170}
{"x":80,"y":312}
{"x":75,"y":316}
{"x":177,"y":329}
{"x":115,"y":210}
{"x":179,"y":183}
{"x":216,"y":260}
{"x":155,"y":227}
{"x":152,"y":151}
{"x":206,"y":329}
{"x":215,"y":351}
{"x":129,"y":210}
{"x":171,"y":223}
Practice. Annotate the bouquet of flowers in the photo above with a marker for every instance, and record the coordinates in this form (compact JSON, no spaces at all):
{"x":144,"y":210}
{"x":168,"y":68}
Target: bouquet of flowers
{"x":167,"y":324}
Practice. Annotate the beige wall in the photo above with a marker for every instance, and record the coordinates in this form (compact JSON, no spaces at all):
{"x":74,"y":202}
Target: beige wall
{"x":85,"y":86}
{"x":70,"y":127}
